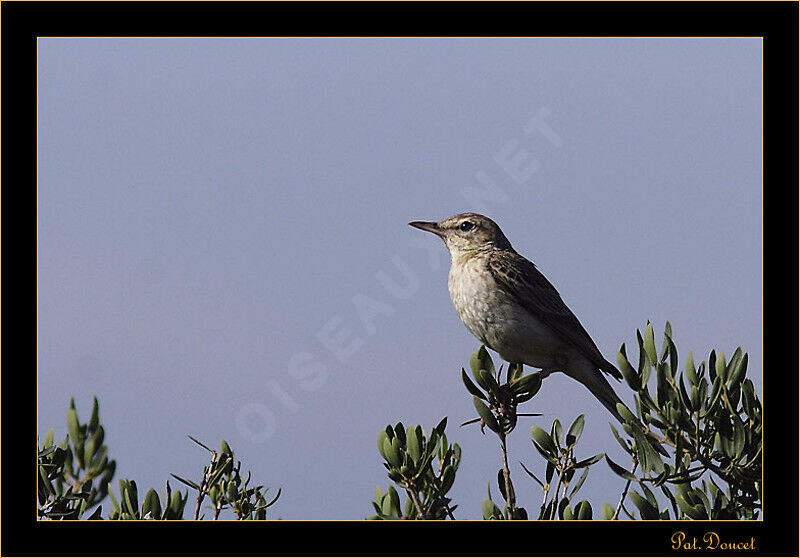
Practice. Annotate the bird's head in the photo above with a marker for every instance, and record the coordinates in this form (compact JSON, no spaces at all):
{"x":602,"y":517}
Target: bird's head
{"x":466,"y":233}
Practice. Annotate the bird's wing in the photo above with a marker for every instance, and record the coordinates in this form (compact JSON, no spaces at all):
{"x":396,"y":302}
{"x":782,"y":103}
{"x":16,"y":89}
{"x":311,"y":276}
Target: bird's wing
{"x":533,"y":291}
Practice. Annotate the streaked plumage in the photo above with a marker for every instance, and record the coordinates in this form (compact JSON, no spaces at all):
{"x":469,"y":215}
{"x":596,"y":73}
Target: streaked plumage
{"x":512,"y":308}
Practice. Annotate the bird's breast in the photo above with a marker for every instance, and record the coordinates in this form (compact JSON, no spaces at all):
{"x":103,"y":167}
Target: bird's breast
{"x":473,"y":292}
{"x":496,"y":318}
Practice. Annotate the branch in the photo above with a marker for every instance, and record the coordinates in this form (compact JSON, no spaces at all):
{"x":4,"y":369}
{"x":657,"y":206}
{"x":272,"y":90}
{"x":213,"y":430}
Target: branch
{"x":510,"y":497}
{"x":413,"y":495}
{"x":204,"y":484}
{"x":625,"y":491}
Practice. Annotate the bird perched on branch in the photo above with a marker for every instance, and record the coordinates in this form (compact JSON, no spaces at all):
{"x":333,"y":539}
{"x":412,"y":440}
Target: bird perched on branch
{"x":513,"y":309}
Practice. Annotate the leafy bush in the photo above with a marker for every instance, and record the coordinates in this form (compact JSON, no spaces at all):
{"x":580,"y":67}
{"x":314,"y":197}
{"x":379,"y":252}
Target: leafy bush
{"x":708,"y":416}
{"x":696,"y":438}
{"x":74,"y":477}
{"x":409,"y":457}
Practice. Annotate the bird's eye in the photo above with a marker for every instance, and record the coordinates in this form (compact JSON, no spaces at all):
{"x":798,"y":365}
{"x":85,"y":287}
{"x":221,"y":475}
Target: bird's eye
{"x":466,"y":226}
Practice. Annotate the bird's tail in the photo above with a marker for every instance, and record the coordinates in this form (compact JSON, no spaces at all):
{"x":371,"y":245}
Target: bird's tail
{"x":593,"y":379}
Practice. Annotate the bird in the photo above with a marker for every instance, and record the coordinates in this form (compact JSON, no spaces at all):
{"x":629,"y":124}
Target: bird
{"x":511,"y":307}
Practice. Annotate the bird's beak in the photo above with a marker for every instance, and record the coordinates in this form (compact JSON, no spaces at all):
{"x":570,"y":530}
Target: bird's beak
{"x":427,"y":226}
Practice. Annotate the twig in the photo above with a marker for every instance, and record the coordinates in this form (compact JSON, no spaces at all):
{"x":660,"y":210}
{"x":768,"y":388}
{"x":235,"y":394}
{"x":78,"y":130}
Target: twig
{"x":440,"y":494}
{"x":510,"y":497}
{"x":413,"y":494}
{"x":545,"y":491}
{"x":555,"y":501}
{"x":625,"y":491}
{"x":204,"y":484}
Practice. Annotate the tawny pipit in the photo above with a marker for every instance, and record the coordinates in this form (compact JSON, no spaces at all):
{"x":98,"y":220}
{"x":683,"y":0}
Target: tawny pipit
{"x":513,"y":309}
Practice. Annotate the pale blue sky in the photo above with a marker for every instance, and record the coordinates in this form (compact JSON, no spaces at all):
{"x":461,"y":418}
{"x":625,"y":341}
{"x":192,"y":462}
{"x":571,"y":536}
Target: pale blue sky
{"x":224,"y":249}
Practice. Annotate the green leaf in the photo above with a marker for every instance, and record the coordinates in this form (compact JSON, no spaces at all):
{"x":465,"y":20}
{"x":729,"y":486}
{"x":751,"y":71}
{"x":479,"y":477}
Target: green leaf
{"x":46,"y":452}
{"x":129,"y":498}
{"x":625,"y":445}
{"x":620,"y":470}
{"x":387,"y":504}
{"x":275,"y":499}
{"x":646,"y":371}
{"x":673,"y":358}
{"x":88,"y":450}
{"x":716,"y":394}
{"x":400,"y":432}
{"x":646,"y":509}
{"x":490,"y":510}
{"x":73,"y":426}
{"x":694,"y":399}
{"x":701,"y":495}
{"x":630,"y":375}
{"x":177,"y":504}
{"x":738,"y":371}
{"x":45,"y":481}
{"x":382,"y":438}
{"x":408,"y":509}
{"x":721,"y":367}
{"x":489,"y":381}
{"x":694,"y":511}
{"x":644,"y":362}
{"x":685,"y":398}
{"x":650,"y":344}
{"x":583,"y":511}
{"x":481,"y":360}
{"x":95,"y":420}
{"x":414,"y":443}
{"x":664,"y":390}
{"x":626,"y":415}
{"x":557,"y":433}
{"x":448,"y":478}
{"x":712,"y":366}
{"x":578,"y":484}
{"x":442,"y":423}
{"x":589,"y":461}
{"x":472,"y":388}
{"x":575,"y":431}
{"x":394,"y":452}
{"x":607,"y":511}
{"x":114,"y":504}
{"x":648,"y":457}
{"x":649,"y":495}
{"x":188,"y":483}
{"x":531,"y":475}
{"x":501,"y":483}
{"x":530,"y":384}
{"x":667,"y":335}
{"x":486,"y":414}
{"x":201,"y":444}
{"x":48,"y":439}
{"x":691,"y":372}
{"x":152,"y":504}
{"x":395,"y":501}
{"x":544,"y":440}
